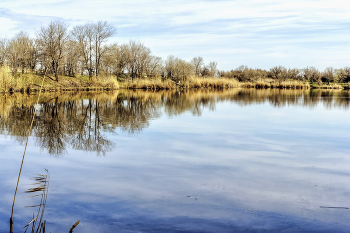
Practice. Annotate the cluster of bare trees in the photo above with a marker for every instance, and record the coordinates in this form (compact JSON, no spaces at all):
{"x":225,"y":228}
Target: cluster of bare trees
{"x":84,"y":50}
{"x":56,"y":50}
{"x":19,"y":52}
{"x":180,"y":69}
{"x":280,"y":73}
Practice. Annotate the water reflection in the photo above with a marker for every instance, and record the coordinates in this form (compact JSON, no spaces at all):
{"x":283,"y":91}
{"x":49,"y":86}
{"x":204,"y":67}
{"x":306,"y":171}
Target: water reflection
{"x":78,"y":121}
{"x":253,"y":164}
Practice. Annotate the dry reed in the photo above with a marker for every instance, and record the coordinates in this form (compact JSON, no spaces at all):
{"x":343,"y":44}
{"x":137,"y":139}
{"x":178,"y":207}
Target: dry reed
{"x":263,"y":84}
{"x":189,"y":83}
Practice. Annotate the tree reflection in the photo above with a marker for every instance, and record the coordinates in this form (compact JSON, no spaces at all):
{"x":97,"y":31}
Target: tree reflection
{"x":50,"y":131}
{"x":84,"y":121}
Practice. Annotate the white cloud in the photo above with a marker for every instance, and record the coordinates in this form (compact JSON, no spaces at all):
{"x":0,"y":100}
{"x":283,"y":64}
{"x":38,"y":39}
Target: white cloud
{"x":206,"y":28}
{"x":7,"y":25}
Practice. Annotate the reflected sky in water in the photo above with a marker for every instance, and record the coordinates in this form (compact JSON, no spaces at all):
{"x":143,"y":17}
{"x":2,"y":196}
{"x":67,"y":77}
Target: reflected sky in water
{"x":198,"y":161}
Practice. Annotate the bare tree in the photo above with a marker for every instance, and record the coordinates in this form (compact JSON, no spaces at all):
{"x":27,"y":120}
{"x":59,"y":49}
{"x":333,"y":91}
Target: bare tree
{"x":328,"y":74}
{"x":178,"y":69}
{"x":153,"y":68}
{"x":279,"y":73}
{"x":52,"y":42}
{"x":311,"y":74}
{"x":339,"y":76}
{"x":138,"y":56}
{"x":169,"y":67}
{"x":72,"y":58}
{"x":347,"y":74}
{"x":204,"y":71}
{"x":21,"y":52}
{"x":294,"y":74}
{"x":184,"y":69}
{"x":3,"y":50}
{"x":115,"y":59}
{"x":197,"y":63}
{"x":12,"y":56}
{"x":91,"y":40}
{"x":84,"y":36}
{"x":101,"y":32}
{"x":213,"y":70}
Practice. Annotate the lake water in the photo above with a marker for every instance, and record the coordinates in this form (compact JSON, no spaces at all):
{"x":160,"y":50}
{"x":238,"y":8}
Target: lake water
{"x":197,"y":161}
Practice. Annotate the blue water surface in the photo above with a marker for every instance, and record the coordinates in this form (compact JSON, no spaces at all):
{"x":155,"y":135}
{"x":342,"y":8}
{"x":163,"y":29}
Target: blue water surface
{"x":241,"y":164}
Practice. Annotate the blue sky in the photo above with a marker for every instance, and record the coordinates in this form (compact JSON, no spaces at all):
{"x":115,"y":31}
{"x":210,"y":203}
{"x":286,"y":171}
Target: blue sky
{"x":256,"y":33}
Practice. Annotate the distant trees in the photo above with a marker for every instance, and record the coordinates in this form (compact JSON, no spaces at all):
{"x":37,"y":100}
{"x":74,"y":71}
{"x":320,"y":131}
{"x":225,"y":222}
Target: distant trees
{"x":280,"y":74}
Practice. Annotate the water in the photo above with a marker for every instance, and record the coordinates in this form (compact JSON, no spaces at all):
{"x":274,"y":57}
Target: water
{"x":198,"y":161}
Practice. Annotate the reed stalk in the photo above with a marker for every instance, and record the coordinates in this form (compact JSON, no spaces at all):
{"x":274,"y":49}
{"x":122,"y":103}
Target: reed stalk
{"x":24,"y":154}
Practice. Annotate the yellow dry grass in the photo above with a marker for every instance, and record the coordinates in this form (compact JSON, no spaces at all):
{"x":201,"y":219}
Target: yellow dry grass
{"x":190,"y":83}
{"x":107,"y":81}
{"x":263,"y":84}
{"x":32,"y":81}
{"x":332,"y":86}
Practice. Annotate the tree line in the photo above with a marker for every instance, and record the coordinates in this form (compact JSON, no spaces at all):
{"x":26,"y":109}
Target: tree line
{"x":84,"y":50}
{"x":280,"y":73}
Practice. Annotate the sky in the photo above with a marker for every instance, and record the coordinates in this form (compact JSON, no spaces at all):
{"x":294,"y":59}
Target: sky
{"x":256,"y":33}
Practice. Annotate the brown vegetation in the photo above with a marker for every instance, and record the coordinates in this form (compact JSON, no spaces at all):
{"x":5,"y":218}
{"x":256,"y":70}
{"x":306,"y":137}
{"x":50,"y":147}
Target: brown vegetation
{"x":189,"y":83}
{"x":58,"y":53}
{"x":30,"y":82}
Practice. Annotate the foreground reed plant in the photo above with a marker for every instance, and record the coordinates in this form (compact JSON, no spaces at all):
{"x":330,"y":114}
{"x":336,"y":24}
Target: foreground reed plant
{"x":37,"y":224}
{"x":24,"y":154}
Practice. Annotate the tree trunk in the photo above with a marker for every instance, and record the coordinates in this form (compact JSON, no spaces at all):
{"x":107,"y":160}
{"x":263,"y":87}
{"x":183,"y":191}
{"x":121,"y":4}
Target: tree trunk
{"x":90,"y":75}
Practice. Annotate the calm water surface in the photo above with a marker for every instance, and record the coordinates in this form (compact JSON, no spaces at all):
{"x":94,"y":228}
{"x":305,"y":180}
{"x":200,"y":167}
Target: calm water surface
{"x":198,"y":161}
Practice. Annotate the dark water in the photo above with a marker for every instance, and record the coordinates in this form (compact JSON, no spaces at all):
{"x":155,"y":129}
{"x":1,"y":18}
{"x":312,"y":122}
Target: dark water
{"x":198,"y":161}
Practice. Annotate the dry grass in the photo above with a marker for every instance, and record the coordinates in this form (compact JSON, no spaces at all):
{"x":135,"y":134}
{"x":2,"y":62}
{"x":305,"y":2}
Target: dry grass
{"x":210,"y":83}
{"x":9,"y":82}
{"x":32,"y":82}
{"x":263,"y":84}
{"x":294,"y":85}
{"x":153,"y":84}
{"x":6,"y":79}
{"x":107,"y":81}
{"x":333,"y":86}
{"x":190,"y":83}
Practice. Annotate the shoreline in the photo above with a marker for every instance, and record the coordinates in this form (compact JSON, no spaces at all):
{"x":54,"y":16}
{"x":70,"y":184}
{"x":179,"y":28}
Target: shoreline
{"x":107,"y":89}
{"x":31,"y":82}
